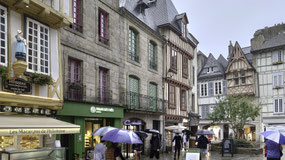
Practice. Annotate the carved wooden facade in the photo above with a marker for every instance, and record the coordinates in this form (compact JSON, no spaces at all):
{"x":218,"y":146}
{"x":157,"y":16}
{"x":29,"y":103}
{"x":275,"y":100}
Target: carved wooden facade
{"x":240,"y":74}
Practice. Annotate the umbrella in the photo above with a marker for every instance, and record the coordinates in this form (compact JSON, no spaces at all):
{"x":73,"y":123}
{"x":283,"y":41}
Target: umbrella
{"x":275,"y":136}
{"x":176,"y":131}
{"x":175,"y":127}
{"x":102,"y":131}
{"x":152,"y":131}
{"x":122,"y":136}
{"x":141,"y":134}
{"x":187,"y":132}
{"x":204,"y":132}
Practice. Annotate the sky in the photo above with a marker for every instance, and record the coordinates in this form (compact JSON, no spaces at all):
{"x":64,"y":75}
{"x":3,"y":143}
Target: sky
{"x":215,"y":22}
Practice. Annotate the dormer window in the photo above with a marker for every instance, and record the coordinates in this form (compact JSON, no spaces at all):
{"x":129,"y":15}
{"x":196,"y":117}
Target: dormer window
{"x":210,"y":69}
{"x":183,"y":29}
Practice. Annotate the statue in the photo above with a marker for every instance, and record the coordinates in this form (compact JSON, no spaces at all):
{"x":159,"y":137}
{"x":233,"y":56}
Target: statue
{"x":20,"y":47}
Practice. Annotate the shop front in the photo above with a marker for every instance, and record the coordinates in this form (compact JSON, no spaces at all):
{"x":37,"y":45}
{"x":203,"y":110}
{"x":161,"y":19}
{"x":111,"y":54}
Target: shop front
{"x":90,"y":117}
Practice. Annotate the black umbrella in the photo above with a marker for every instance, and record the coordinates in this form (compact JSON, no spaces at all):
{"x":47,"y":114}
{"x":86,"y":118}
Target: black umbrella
{"x":187,"y":132}
{"x":141,"y":134}
{"x":151,"y":131}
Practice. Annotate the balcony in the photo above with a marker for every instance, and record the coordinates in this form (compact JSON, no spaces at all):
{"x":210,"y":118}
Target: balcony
{"x":75,"y":92}
{"x":49,"y":11}
{"x":138,"y":102}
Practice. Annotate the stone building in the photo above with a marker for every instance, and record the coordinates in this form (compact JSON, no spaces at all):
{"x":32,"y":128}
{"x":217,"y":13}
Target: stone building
{"x":201,"y":60}
{"x":267,"y":47}
{"x":31,"y":77}
{"x":92,"y":66}
{"x":211,"y":84}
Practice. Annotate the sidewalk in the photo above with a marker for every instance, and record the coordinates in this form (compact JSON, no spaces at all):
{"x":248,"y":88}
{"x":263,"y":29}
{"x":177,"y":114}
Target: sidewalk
{"x":211,"y":156}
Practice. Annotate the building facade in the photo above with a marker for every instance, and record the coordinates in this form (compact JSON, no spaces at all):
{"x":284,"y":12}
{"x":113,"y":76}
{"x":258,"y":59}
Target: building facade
{"x":92,"y":63}
{"x":268,"y":47}
{"x":31,"y":77}
{"x":211,"y":85}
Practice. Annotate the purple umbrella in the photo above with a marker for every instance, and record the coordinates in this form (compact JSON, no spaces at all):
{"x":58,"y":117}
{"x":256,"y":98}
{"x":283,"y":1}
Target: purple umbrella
{"x":122,"y":136}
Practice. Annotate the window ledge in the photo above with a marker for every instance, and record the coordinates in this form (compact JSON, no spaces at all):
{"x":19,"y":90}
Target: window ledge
{"x":174,"y":70}
{"x":277,"y":87}
{"x":278,"y":113}
{"x":152,"y":70}
{"x":107,"y":46}
{"x":134,"y":62}
{"x":185,"y":76}
{"x":75,"y":32}
{"x":276,"y":63}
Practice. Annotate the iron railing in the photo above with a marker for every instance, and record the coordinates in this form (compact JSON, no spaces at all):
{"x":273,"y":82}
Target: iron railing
{"x":140,"y":102}
{"x":75,"y":91}
{"x":104,"y":95}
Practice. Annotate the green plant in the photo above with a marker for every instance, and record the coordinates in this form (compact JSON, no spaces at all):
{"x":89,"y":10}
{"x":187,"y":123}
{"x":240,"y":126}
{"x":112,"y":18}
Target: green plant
{"x":39,"y":79}
{"x":4,"y":72}
{"x":242,"y":143}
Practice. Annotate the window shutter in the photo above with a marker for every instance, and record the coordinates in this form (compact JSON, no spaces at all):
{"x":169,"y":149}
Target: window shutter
{"x":276,"y":105}
{"x":282,"y":56}
{"x":203,"y":109}
{"x":198,"y":90}
{"x":210,"y":89}
{"x":281,"y":80}
{"x":281,"y":105}
{"x":224,"y":87}
{"x":274,"y":80}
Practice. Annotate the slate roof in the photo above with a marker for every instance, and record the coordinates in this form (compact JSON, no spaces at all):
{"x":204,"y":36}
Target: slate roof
{"x":223,"y":61}
{"x":278,"y":40}
{"x":248,"y":54}
{"x":157,"y":15}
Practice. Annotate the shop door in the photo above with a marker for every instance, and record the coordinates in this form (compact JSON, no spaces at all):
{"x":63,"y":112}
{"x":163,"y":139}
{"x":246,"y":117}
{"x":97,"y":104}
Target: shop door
{"x":89,"y":139}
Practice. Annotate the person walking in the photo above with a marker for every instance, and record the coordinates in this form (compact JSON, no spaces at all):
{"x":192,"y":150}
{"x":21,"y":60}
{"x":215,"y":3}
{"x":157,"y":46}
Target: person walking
{"x":99,"y":151}
{"x":178,"y":144}
{"x":274,"y":150}
{"x":202,"y":144}
{"x":138,"y":148}
{"x":155,"y":145}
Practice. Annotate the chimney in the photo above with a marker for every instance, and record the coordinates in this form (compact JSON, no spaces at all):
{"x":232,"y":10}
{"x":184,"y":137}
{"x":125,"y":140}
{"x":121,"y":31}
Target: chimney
{"x":231,"y":48}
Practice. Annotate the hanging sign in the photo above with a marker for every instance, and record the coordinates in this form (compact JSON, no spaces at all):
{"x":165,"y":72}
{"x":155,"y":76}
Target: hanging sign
{"x":18,"y":86}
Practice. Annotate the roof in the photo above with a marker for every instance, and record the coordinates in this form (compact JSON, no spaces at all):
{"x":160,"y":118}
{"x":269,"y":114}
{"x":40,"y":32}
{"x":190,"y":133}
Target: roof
{"x":223,"y":61}
{"x":248,"y":54}
{"x":278,"y":40}
{"x":163,"y":12}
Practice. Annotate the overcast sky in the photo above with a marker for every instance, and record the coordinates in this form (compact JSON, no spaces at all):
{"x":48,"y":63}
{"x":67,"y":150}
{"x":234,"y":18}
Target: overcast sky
{"x":215,"y":22}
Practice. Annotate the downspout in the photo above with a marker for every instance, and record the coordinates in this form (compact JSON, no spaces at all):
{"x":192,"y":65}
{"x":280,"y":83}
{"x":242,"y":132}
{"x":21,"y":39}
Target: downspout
{"x":163,"y":98}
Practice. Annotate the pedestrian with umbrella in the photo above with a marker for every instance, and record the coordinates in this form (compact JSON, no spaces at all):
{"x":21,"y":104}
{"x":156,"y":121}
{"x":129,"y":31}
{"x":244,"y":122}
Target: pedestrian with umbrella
{"x":138,"y":148}
{"x":155,"y":143}
{"x":99,"y":151}
{"x":203,"y":144}
{"x":273,"y":144}
{"x":178,"y":143}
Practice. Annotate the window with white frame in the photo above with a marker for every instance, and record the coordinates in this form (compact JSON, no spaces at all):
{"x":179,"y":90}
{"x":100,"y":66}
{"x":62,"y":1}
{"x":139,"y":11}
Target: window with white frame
{"x":218,"y":88}
{"x":277,"y":80}
{"x":38,"y":47}
{"x":278,"y":105}
{"x":210,"y":69}
{"x":204,"y":89}
{"x":3,"y":36}
{"x":277,"y":56}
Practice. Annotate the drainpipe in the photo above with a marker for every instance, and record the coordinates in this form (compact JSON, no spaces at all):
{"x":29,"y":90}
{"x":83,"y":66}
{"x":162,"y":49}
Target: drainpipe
{"x":164,"y":49}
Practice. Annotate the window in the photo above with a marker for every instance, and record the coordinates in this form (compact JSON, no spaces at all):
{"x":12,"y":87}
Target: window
{"x":173,"y":61}
{"x":193,"y":102}
{"x":104,"y":92}
{"x":278,"y":106}
{"x":243,"y":78}
{"x":210,"y":69}
{"x":183,"y":100}
{"x":153,"y":96}
{"x":152,"y":56}
{"x":77,"y":15}
{"x":218,"y":88}
{"x":205,"y":110}
{"x":134,"y":92}
{"x":185,"y":66}
{"x":3,"y":36}
{"x":236,"y":78}
{"x":156,"y":125}
{"x":74,"y":80}
{"x":204,"y":89}
{"x":103,"y":24}
{"x":277,"y":56}
{"x":38,"y":47}
{"x":277,"y":80}
{"x":133,"y":45}
{"x":171,"y":96}
{"x":183,"y":29}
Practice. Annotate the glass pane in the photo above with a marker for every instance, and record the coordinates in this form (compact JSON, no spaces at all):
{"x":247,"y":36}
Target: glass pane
{"x":6,"y":141}
{"x":30,"y":142}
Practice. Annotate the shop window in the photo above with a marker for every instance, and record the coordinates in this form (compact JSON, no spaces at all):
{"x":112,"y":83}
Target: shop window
{"x":30,"y":142}
{"x":103,"y":27}
{"x":38,"y":47}
{"x":156,"y":125}
{"x":3,"y":36}
{"x":133,"y":45}
{"x":77,"y":15}
{"x":152,"y":55}
{"x":6,"y":141}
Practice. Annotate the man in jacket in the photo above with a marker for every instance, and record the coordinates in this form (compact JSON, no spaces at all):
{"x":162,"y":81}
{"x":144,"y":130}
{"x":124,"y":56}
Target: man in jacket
{"x":202,"y":143}
{"x":178,"y":143}
{"x":155,"y":145}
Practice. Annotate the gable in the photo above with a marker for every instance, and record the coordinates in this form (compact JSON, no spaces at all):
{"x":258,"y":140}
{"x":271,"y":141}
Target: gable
{"x":238,"y":60}
{"x":211,"y":62}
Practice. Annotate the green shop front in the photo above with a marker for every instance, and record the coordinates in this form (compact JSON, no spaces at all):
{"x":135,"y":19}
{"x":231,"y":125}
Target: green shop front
{"x":90,"y":117}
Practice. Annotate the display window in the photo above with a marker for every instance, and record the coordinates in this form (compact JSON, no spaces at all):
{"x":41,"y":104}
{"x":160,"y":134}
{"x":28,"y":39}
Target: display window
{"x":30,"y":142}
{"x":6,"y":141}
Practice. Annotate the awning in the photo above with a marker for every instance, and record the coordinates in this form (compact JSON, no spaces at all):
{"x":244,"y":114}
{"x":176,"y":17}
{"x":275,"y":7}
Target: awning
{"x":28,"y":125}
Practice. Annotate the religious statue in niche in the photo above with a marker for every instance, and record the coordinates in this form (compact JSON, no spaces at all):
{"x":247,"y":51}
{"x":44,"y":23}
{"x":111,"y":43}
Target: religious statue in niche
{"x":20,"y":47}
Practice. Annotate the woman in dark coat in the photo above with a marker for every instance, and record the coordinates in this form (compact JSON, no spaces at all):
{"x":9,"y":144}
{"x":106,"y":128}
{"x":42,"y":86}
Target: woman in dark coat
{"x":202,"y":143}
{"x":178,"y":144}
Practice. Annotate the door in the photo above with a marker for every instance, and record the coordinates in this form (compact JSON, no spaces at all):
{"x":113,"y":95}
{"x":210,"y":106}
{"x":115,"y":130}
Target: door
{"x":153,"y":97}
{"x":134,"y":93}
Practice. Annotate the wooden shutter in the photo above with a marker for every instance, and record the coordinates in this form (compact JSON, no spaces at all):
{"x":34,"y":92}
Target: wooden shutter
{"x":198,"y":90}
{"x":280,"y":106}
{"x":276,"y":105}
{"x":274,"y":80}
{"x":224,"y":87}
{"x":210,"y":89}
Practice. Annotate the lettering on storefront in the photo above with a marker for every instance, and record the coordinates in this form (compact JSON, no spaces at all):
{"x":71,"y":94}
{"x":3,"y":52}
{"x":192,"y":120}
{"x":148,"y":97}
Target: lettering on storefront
{"x":94,"y":109}
{"x":18,"y":86}
{"x":36,"y":131}
{"x":27,"y":110}
{"x":132,"y":123}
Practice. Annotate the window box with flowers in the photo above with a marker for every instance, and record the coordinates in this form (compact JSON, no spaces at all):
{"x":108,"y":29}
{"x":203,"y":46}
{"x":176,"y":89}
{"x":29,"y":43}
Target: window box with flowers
{"x":278,"y":62}
{"x":40,"y":79}
{"x":277,"y":87}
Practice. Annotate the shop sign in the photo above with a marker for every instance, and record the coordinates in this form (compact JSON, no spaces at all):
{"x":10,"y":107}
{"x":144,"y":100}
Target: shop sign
{"x":18,"y":86}
{"x":39,"y":131}
{"x":94,"y":109}
{"x":132,"y":123}
{"x":27,"y":110}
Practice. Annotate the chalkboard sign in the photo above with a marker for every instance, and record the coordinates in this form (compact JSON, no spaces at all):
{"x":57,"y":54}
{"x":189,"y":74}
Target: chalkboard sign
{"x":228,"y":147}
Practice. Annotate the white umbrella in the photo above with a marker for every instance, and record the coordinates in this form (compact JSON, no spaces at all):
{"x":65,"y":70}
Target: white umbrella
{"x":175,"y":128}
{"x":103,"y":130}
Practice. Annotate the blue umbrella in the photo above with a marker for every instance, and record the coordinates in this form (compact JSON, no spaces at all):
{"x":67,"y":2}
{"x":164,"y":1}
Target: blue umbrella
{"x":122,"y":136}
{"x":204,"y":132}
{"x":102,"y":131}
{"x":275,"y":136}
